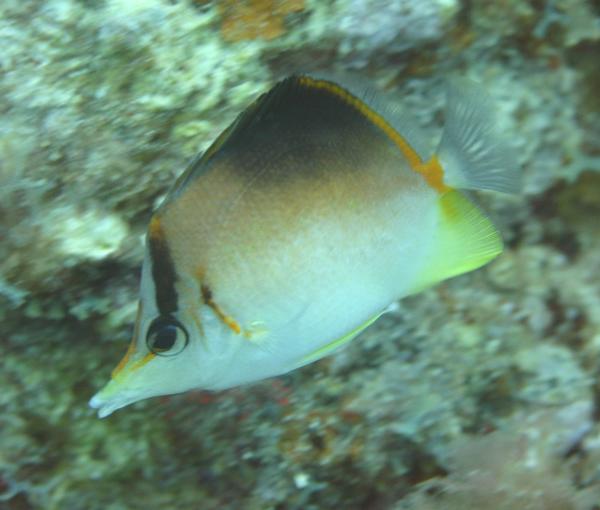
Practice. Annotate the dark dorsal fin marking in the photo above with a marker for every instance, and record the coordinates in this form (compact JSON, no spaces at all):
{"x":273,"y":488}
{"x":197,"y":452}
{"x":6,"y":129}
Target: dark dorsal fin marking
{"x":296,"y":106}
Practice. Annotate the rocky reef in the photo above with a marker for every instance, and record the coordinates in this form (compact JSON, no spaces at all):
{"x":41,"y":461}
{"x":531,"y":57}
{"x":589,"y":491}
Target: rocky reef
{"x":480,"y":393}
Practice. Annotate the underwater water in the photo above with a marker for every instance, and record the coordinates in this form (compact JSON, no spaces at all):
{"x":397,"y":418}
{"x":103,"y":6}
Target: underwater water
{"x":481,"y":392}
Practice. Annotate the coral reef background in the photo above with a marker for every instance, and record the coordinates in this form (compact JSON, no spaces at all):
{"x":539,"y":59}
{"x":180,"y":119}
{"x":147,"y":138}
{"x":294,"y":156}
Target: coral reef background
{"x":483,"y":392}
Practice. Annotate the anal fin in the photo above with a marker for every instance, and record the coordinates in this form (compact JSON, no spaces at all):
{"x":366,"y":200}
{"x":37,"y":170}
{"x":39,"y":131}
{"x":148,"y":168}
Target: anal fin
{"x":339,"y":342}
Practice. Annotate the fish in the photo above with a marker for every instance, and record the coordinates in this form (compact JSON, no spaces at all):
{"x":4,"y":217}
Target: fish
{"x":298,"y":227}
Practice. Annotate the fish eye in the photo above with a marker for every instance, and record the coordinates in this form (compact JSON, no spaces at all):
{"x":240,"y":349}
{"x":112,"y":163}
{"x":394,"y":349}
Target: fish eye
{"x":166,"y":336}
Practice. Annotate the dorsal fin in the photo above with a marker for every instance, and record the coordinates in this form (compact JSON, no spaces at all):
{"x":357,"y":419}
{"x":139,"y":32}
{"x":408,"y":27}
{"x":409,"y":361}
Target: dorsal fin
{"x":297,"y":105}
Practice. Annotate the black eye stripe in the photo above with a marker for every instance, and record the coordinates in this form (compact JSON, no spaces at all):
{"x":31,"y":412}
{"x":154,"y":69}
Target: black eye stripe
{"x":163,"y":269}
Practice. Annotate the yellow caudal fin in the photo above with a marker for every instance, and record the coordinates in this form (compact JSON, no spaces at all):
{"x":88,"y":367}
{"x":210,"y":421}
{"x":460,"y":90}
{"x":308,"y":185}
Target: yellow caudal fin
{"x":465,"y":240}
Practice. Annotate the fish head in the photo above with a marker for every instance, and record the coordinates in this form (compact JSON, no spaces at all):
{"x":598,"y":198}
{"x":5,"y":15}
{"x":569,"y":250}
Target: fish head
{"x":168,"y":354}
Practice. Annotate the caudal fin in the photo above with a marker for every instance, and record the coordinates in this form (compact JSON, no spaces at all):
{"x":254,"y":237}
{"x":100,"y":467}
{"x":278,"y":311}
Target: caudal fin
{"x":471,"y":153}
{"x":465,"y":239}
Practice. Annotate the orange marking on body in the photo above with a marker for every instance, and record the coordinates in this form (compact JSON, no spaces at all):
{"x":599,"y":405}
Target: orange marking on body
{"x":155,"y":228}
{"x":115,"y":373}
{"x":133,"y":366}
{"x":430,"y":170}
{"x":232,"y":324}
{"x":140,"y":363}
{"x":433,"y":173}
{"x":226,"y":319}
{"x":131,"y":347}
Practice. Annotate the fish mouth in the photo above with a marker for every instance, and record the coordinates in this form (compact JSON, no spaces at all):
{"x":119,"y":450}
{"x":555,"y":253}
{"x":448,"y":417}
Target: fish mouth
{"x":110,"y":398}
